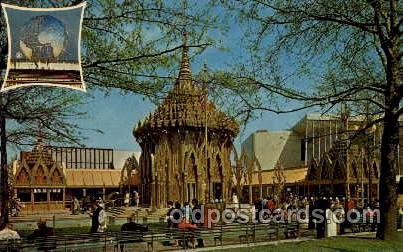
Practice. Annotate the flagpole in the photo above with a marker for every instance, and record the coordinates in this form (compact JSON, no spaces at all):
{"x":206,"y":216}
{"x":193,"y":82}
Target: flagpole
{"x":206,"y":137}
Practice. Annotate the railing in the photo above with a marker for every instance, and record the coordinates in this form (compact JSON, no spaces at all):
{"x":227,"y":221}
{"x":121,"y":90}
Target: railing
{"x":158,"y":239}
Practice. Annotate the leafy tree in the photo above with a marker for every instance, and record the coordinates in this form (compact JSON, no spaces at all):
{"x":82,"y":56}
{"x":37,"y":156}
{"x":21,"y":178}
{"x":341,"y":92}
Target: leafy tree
{"x":31,"y":112}
{"x":129,"y":45}
{"x":350,"y":50}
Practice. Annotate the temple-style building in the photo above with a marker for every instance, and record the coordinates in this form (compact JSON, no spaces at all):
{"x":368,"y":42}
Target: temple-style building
{"x":47,"y":177}
{"x":175,"y":163}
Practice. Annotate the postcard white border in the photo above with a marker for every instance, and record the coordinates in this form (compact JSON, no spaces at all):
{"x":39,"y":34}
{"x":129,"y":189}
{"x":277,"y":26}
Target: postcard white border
{"x":82,"y":6}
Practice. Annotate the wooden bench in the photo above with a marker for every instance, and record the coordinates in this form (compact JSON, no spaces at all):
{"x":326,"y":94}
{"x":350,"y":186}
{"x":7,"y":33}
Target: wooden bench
{"x":153,"y":237}
{"x":264,"y":231}
{"x":360,"y":226}
{"x":249,"y":234}
{"x":124,"y":238}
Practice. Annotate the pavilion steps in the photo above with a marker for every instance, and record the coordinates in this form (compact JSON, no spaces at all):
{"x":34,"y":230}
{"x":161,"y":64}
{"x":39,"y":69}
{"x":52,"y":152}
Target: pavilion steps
{"x":138,"y":213}
{"x":118,"y":212}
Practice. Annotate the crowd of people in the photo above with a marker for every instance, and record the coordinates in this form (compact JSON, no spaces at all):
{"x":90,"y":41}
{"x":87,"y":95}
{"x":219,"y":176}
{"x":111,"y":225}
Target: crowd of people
{"x":81,"y":206}
{"x":322,"y":212}
{"x":186,"y":216}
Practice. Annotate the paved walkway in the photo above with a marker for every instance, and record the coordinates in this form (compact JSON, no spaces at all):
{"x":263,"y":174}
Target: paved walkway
{"x":249,"y":245}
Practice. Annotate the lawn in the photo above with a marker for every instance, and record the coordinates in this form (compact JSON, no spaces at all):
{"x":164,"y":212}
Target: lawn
{"x":344,"y":244}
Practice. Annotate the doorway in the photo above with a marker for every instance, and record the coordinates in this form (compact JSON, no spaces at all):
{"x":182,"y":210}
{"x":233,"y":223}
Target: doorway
{"x":217,"y":191}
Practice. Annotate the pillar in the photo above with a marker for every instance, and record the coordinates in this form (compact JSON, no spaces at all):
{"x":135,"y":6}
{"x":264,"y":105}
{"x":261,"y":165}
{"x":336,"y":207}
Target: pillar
{"x":163,"y":189}
{"x":260,"y":191}
{"x":48,"y":197}
{"x":319,"y":136}
{"x":250,"y":194}
{"x":64,"y":196}
{"x":185,"y":188}
{"x":33,"y":199}
{"x":198,"y":187}
{"x":159,"y":193}
{"x":152,"y":195}
{"x":168,"y":189}
{"x":306,"y":144}
{"x":104,"y":194}
{"x":202,"y":197}
{"x":211,"y":191}
{"x":313,"y":139}
{"x":224,"y":189}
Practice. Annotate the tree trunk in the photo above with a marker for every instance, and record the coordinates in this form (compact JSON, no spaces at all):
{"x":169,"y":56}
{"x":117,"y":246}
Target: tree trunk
{"x":387,"y":228}
{"x":4,"y":198}
{"x":387,"y":181}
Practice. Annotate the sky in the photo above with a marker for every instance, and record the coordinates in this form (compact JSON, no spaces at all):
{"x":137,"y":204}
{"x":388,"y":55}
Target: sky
{"x":116,"y":114}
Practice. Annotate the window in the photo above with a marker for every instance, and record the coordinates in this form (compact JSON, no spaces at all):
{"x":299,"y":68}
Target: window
{"x":40,"y":195}
{"x":24,"y":195}
{"x":56,"y":195}
{"x":217,"y":191}
{"x":83,"y":158}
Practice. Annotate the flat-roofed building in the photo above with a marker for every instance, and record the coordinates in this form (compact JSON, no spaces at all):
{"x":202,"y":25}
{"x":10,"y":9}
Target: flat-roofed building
{"x":320,"y":153}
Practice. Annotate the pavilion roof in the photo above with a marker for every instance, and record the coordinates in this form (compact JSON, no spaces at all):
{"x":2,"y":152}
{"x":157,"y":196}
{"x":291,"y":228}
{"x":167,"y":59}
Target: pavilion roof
{"x":39,"y":152}
{"x":292,"y":175}
{"x":93,"y":178}
{"x":186,"y":105}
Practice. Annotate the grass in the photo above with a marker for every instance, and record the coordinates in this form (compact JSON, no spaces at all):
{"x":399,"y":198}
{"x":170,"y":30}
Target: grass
{"x":344,"y":244}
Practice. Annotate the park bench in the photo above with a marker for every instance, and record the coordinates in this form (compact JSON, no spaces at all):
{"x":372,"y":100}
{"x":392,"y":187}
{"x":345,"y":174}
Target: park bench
{"x":361,"y":226}
{"x":272,"y":232}
{"x":150,"y":238}
{"x":124,"y":238}
{"x":10,"y":245}
{"x":244,"y":232}
{"x":222,"y":232}
{"x":85,"y":241}
{"x":247,"y":233}
{"x":291,"y":229}
{"x":262,"y":231}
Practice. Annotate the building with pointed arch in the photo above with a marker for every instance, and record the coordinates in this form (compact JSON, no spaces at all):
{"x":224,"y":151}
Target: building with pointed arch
{"x":319,"y":154}
{"x":47,"y":177}
{"x":186,"y":144}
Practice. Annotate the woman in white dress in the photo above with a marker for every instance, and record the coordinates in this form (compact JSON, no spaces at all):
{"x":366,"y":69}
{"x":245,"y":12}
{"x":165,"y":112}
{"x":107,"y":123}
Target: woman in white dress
{"x":331,"y":226}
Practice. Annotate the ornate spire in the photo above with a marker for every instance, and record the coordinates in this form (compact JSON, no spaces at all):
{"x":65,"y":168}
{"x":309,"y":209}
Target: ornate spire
{"x":184,"y":80}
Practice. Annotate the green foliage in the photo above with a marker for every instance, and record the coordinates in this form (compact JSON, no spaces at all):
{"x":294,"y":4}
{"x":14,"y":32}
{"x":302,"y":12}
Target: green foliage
{"x":330,"y":45}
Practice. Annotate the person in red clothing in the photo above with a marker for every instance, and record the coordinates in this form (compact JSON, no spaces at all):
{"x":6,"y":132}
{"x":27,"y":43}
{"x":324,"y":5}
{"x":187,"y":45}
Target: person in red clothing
{"x":188,"y":237}
{"x":271,"y":204}
{"x":184,"y":224}
{"x":350,"y":204}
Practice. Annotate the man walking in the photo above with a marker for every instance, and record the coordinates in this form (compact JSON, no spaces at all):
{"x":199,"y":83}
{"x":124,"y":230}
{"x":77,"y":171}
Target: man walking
{"x":98,"y":216}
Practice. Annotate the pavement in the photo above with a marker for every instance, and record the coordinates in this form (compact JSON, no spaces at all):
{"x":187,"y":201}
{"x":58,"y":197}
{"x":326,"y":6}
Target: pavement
{"x":250,"y":245}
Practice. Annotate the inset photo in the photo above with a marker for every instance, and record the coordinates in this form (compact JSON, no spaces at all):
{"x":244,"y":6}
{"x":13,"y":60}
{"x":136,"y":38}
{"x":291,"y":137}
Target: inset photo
{"x":44,"y":47}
